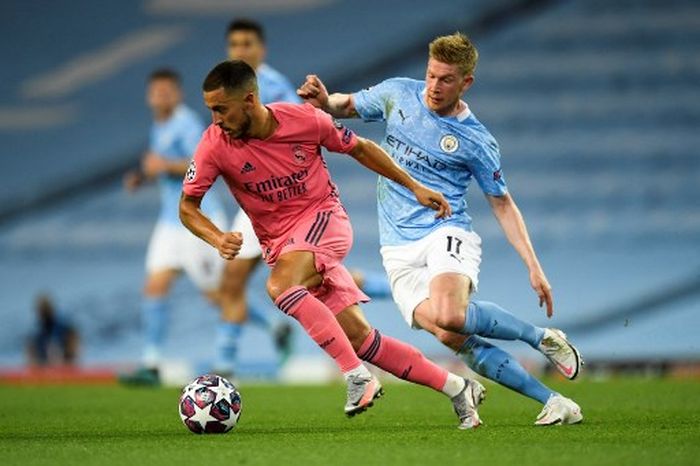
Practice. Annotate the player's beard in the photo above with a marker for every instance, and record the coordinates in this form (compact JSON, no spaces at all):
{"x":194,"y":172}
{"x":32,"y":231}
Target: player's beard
{"x":244,"y":128}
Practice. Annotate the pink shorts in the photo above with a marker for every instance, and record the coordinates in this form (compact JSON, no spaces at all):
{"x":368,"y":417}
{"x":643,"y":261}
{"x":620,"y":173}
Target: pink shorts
{"x":328,"y":234}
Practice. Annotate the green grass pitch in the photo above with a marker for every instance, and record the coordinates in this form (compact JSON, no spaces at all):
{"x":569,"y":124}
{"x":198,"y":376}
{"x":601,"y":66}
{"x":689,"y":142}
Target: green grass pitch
{"x":633,"y":421}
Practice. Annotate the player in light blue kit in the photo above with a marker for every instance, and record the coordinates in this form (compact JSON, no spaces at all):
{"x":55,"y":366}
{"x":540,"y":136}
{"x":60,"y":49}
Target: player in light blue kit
{"x":172,"y":249}
{"x":246,"y":41}
{"x":433,"y":264}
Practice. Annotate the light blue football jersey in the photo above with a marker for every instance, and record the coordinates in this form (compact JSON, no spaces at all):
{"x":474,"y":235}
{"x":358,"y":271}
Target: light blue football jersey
{"x":176,"y":138}
{"x":274,"y":86}
{"x":443,"y":153}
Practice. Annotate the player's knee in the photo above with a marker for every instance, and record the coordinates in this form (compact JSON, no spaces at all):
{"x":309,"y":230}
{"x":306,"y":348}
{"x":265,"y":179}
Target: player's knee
{"x":277,"y":285}
{"x":154,"y":289}
{"x":448,"y":312}
{"x":274,"y":289}
{"x":449,"y":319}
{"x":233,"y":285}
{"x":233,"y":313}
{"x":288,"y":274}
{"x":236,"y":276}
{"x":452,"y":340}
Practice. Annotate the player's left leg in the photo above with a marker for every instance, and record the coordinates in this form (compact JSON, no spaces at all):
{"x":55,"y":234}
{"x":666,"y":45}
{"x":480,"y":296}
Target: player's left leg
{"x":452,"y":258}
{"x":340,"y":293}
{"x":414,"y":287}
{"x":498,"y":365}
{"x":488,"y":360}
{"x":293,"y":275}
{"x":408,"y":363}
{"x":449,"y":297}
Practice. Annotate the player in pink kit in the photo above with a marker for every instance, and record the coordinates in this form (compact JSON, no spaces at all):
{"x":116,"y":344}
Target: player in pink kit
{"x":270,"y":157}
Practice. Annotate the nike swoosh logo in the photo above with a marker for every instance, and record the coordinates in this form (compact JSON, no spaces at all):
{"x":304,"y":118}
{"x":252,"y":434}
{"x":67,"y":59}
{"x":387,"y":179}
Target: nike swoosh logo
{"x":563,"y":368}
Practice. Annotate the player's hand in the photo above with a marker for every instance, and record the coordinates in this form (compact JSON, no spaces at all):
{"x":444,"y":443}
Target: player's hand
{"x":132,"y":181}
{"x":229,"y":244}
{"x":314,"y":92}
{"x":543,"y":289}
{"x":153,"y":165}
{"x":433,"y":200}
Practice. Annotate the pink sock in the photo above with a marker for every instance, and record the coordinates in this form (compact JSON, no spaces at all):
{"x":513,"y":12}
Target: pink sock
{"x":402,"y":360}
{"x":320,"y":324}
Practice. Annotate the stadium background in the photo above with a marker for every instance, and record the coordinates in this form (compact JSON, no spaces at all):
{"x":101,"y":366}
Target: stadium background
{"x":595,"y":105}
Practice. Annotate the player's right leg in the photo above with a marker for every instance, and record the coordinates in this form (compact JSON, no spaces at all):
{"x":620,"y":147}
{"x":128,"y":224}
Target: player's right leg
{"x":292,"y":275}
{"x":233,"y":316}
{"x":162,"y":268}
{"x":155,"y":311}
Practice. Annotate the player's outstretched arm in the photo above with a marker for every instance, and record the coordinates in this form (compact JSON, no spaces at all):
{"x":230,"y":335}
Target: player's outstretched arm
{"x":513,"y":225}
{"x":153,"y":165}
{"x":228,"y":244}
{"x":314,"y":92}
{"x":376,"y":159}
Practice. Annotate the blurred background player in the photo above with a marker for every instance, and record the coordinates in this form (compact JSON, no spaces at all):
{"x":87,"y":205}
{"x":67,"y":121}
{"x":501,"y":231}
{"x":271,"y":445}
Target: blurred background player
{"x":56,"y":340}
{"x":433,"y":264}
{"x":172,"y":249}
{"x":245,"y":39}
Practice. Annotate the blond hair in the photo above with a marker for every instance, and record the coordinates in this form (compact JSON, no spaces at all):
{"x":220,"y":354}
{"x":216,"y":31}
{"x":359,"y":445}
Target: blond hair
{"x":455,"y":49}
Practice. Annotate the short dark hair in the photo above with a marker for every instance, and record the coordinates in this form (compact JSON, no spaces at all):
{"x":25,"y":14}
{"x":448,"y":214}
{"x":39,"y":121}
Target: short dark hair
{"x":245,"y":24}
{"x":165,"y":73}
{"x":232,"y":75}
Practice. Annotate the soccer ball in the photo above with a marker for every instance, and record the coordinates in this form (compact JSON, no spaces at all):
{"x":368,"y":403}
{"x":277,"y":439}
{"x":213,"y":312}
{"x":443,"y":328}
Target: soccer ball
{"x":210,"y":405}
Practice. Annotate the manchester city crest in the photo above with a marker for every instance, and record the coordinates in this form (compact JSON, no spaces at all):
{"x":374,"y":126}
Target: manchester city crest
{"x":449,"y":143}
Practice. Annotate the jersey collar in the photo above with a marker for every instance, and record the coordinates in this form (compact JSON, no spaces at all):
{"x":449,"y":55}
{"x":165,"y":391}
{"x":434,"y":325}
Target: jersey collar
{"x":460,"y":117}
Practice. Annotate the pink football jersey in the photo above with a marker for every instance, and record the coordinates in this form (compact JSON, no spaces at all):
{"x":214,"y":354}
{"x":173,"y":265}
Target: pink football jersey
{"x":279,"y":180}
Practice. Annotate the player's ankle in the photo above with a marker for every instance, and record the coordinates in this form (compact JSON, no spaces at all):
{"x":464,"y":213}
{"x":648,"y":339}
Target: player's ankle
{"x":453,"y":385}
{"x":359,"y":371}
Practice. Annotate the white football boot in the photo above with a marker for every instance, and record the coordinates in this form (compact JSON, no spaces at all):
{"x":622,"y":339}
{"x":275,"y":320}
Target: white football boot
{"x":466,"y":403}
{"x":559,"y":410}
{"x":565,"y":357}
{"x":362,"y":391}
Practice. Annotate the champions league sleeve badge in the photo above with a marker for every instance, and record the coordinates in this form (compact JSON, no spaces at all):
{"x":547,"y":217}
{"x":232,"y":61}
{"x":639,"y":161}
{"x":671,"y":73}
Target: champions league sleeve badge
{"x":449,"y":143}
{"x":191,"y":172}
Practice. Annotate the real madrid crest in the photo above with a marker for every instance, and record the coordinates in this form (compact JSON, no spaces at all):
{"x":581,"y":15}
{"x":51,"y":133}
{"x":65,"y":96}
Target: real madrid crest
{"x":449,"y":143}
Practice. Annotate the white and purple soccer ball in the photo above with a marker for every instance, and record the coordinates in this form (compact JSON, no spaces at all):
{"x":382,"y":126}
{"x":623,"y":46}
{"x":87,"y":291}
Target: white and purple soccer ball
{"x":210,"y":404}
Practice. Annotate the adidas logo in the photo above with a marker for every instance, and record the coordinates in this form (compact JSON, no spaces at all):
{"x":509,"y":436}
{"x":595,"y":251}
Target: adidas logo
{"x":247,"y":168}
{"x":327,"y":342}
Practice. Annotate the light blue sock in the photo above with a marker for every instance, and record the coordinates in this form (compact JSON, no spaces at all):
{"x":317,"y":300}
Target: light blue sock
{"x":155,"y":313}
{"x":492,"y":321}
{"x":259,"y":317}
{"x":495,"y":364}
{"x":376,"y":285}
{"x":227,"y":336}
